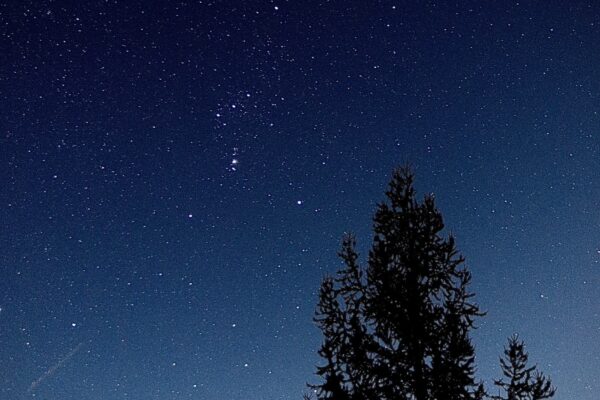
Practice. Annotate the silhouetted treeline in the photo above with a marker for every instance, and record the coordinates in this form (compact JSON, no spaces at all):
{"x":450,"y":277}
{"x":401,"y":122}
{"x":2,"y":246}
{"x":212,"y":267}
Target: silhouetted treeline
{"x":399,"y":328}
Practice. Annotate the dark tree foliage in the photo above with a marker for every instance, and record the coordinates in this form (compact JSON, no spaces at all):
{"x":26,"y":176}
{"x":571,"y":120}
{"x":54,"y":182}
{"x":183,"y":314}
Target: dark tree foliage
{"x":522,"y":381}
{"x":399,"y":329}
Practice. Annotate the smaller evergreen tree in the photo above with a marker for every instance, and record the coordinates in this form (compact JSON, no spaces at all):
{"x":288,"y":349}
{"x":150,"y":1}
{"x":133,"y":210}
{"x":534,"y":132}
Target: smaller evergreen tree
{"x":522,"y":382}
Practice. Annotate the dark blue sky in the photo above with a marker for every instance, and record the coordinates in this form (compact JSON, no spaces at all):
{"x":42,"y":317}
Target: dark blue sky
{"x":175,"y":178}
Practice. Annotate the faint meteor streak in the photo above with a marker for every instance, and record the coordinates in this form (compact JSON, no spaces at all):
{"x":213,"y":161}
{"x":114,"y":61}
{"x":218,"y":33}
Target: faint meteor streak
{"x":53,"y":369}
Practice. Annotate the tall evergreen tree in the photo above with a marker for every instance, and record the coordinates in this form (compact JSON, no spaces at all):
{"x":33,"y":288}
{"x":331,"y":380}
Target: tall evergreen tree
{"x":522,"y":381}
{"x":399,"y":329}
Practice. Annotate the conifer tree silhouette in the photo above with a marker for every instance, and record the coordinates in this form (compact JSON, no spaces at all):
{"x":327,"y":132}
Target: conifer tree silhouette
{"x":523,"y":382}
{"x":399,"y":328}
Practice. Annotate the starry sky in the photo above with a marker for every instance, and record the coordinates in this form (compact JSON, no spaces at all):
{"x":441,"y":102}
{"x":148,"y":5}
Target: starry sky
{"x":175,"y":179}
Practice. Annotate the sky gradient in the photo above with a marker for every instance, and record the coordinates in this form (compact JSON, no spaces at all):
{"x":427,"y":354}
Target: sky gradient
{"x":176,"y":177}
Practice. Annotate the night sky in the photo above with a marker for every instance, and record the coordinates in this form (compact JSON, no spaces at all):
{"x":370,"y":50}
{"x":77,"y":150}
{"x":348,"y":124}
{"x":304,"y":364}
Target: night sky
{"x":176,"y":177}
